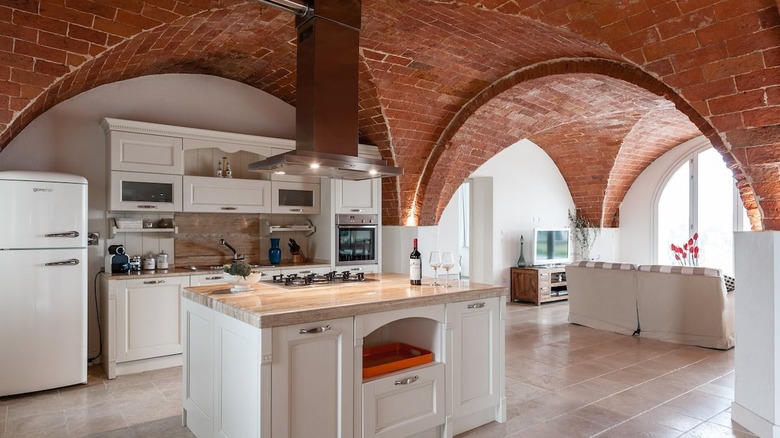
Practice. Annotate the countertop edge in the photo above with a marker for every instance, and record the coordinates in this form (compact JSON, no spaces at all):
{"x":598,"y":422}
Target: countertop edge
{"x":307,"y":315}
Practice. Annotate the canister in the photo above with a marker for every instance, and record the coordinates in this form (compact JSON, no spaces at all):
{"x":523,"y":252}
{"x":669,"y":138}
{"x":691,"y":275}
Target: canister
{"x":148,"y":263}
{"x":162,"y":260}
{"x":135,"y":263}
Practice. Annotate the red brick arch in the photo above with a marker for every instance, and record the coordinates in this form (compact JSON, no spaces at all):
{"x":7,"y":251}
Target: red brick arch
{"x":570,"y":137}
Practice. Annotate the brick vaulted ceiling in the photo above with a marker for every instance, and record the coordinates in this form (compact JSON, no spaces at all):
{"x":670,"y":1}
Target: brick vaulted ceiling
{"x":603,"y":87}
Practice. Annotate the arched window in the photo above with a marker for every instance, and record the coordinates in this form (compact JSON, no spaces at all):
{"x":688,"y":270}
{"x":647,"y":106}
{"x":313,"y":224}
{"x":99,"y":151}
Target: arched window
{"x":699,"y":196}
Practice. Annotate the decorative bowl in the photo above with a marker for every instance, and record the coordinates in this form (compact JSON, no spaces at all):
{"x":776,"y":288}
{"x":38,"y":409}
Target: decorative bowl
{"x":242,"y":284}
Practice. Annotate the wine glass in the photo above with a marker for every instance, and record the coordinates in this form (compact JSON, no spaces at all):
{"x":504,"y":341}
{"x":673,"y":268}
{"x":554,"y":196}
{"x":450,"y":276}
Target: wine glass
{"x":447,"y":262}
{"x":435,"y":261}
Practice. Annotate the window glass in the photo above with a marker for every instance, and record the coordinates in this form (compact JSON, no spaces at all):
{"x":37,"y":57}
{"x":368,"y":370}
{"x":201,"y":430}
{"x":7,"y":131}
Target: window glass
{"x":673,"y":214}
{"x":715,"y":212}
{"x":715,"y":203}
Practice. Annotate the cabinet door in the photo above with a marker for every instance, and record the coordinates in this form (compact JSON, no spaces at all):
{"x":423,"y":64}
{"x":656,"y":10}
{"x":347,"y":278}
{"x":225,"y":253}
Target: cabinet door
{"x":198,"y":368}
{"x":357,"y":196}
{"x":476,"y":361}
{"x":134,"y":152}
{"x":312,"y":380}
{"x":295,"y":197}
{"x":148,"y":318}
{"x":404,"y":403}
{"x":131,"y":191}
{"x":226,"y":195}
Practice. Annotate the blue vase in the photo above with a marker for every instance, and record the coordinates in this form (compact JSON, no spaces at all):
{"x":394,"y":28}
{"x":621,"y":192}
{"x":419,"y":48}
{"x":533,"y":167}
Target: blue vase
{"x":275,"y":253}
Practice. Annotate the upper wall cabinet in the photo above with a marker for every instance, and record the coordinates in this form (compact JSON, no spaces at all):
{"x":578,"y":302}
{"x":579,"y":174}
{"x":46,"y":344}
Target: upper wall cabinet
{"x":357,"y":196}
{"x":133,"y":152}
{"x":139,"y":153}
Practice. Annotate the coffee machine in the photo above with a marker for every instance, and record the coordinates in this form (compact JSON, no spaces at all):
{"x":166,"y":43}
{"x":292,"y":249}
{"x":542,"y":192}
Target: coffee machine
{"x":117,"y":262}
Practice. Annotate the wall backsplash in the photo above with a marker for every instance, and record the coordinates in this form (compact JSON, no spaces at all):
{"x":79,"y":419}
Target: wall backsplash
{"x":197,"y":242}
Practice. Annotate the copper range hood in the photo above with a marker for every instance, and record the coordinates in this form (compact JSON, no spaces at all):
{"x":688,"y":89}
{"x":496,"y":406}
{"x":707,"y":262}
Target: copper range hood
{"x":326,"y":113}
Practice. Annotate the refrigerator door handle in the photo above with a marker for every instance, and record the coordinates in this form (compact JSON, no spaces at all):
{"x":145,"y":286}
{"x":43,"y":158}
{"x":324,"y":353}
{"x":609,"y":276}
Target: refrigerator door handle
{"x":68,"y":234}
{"x":66,"y":262}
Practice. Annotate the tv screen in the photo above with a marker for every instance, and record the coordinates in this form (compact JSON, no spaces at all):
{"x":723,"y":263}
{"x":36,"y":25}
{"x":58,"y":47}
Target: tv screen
{"x":551,"y":246}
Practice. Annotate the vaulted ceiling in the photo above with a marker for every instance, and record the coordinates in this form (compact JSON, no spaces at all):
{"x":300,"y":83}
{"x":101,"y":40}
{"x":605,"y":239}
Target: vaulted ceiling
{"x":603,"y":87}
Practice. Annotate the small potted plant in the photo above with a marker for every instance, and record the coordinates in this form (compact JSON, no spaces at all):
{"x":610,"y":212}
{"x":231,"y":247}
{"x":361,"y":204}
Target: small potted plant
{"x":241,"y":276}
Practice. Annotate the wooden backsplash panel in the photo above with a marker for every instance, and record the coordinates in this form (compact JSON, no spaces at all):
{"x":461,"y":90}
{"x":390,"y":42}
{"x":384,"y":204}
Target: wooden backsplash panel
{"x":199,"y":233}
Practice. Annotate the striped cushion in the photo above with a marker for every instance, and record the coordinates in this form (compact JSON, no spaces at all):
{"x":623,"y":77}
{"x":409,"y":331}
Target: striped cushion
{"x":685,"y":270}
{"x":604,"y":265}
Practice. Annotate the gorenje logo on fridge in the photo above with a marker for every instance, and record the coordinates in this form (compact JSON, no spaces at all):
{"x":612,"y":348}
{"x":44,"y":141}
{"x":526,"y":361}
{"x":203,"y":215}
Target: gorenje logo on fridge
{"x":41,"y":189}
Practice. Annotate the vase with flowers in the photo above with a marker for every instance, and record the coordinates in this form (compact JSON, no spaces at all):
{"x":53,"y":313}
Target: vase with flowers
{"x":688,"y":253}
{"x":241,"y":275}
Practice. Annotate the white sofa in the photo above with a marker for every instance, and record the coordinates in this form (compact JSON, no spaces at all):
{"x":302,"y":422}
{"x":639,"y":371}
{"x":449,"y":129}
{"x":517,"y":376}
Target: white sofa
{"x":678,"y":304}
{"x":603,"y":296}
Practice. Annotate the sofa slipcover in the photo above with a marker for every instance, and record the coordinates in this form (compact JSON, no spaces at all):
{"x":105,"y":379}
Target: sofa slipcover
{"x":685,"y":305}
{"x":603,"y":296}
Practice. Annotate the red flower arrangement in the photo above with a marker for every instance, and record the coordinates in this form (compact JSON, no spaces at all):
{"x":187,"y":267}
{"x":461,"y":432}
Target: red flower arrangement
{"x":688,"y":254}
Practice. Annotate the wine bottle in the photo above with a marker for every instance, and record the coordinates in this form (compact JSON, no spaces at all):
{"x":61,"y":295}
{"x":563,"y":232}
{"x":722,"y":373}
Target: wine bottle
{"x":415,"y":266}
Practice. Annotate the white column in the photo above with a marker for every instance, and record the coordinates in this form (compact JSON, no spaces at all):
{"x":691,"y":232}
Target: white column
{"x":757,"y":304}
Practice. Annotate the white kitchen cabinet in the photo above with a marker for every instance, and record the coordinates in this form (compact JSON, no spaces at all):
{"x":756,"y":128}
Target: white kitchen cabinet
{"x":291,"y":197}
{"x":366,"y":269}
{"x":227,"y":375}
{"x":402,"y":404}
{"x":137,"y":152}
{"x":306,"y":270}
{"x":226,"y":195}
{"x":475,"y":362}
{"x":357,"y":196}
{"x":312,"y":380}
{"x":149,"y":192}
{"x":142,"y":324}
{"x":208,"y":279}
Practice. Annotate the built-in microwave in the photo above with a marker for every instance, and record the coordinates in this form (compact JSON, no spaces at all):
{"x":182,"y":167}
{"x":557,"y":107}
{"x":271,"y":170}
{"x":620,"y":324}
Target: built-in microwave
{"x":137,"y":191}
{"x":357,"y":239}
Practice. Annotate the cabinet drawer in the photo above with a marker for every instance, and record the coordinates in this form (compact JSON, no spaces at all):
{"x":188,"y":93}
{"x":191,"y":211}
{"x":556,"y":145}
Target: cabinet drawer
{"x":404,"y":403}
{"x":208,"y":279}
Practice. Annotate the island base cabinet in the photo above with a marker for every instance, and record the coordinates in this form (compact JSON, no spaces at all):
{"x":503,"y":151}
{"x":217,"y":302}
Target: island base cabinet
{"x":222,"y":375}
{"x":404,"y":404}
{"x":312,"y":380}
{"x":476,"y":371}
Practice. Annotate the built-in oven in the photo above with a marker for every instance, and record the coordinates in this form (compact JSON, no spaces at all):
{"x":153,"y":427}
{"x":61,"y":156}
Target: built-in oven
{"x":357,"y":239}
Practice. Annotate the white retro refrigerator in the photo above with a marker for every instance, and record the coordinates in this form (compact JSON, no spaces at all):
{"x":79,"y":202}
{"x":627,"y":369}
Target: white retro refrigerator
{"x":43,"y":281}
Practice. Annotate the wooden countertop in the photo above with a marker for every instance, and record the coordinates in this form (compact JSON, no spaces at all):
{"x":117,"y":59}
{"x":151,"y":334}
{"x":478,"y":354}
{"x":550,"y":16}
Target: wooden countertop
{"x":269,"y":305}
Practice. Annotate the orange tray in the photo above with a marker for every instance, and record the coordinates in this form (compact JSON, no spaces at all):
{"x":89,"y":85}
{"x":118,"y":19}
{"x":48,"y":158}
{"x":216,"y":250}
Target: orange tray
{"x":387,"y":358}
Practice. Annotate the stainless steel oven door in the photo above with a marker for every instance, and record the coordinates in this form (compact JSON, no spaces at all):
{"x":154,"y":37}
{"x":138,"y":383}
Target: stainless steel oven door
{"x":356,"y":244}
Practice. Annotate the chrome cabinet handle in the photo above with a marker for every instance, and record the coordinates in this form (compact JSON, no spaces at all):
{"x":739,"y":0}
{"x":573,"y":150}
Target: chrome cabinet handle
{"x":296,"y":209}
{"x":229,"y":208}
{"x":154,"y":282}
{"x":407,"y":381}
{"x":147,"y":206}
{"x":356,"y":210}
{"x":67,"y":234}
{"x":215,"y":278}
{"x":304,"y":272}
{"x":64,"y":263}
{"x":475,"y":306}
{"x":315,"y":330}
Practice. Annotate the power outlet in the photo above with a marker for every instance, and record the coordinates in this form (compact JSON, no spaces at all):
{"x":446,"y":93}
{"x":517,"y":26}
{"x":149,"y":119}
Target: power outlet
{"x":92,"y":238}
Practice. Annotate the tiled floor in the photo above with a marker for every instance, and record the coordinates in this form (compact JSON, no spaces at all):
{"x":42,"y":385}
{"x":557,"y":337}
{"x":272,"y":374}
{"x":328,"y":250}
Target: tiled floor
{"x":562,"y":381}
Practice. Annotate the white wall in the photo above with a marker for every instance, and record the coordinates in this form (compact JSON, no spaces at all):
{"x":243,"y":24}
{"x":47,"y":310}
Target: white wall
{"x":637,"y":220}
{"x":68,"y":138}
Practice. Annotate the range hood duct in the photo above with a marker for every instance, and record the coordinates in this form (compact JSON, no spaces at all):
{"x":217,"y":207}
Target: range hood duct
{"x":326,"y":113}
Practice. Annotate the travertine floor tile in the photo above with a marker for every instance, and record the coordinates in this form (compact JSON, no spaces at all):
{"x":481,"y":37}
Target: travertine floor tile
{"x":563,"y":380}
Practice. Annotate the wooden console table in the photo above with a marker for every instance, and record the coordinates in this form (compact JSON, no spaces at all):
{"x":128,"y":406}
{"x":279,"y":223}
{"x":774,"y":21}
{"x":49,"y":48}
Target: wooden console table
{"x":539,"y":284}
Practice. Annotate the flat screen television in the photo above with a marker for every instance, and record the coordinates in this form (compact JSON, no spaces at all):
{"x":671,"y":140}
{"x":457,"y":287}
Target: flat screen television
{"x":551,"y":246}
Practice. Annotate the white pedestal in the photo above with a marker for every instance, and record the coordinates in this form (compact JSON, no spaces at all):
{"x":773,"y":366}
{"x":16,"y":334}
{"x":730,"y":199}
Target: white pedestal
{"x":757,"y":356}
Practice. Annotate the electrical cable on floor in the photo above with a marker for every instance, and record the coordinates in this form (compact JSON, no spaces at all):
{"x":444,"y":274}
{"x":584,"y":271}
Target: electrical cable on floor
{"x":97,"y":313}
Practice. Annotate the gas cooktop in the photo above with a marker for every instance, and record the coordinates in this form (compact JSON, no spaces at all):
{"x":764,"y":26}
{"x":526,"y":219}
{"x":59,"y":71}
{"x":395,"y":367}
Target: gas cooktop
{"x":331,"y":278}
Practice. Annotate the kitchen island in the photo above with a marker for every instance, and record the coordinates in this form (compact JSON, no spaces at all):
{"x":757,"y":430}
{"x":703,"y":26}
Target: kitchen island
{"x":278,"y":361}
